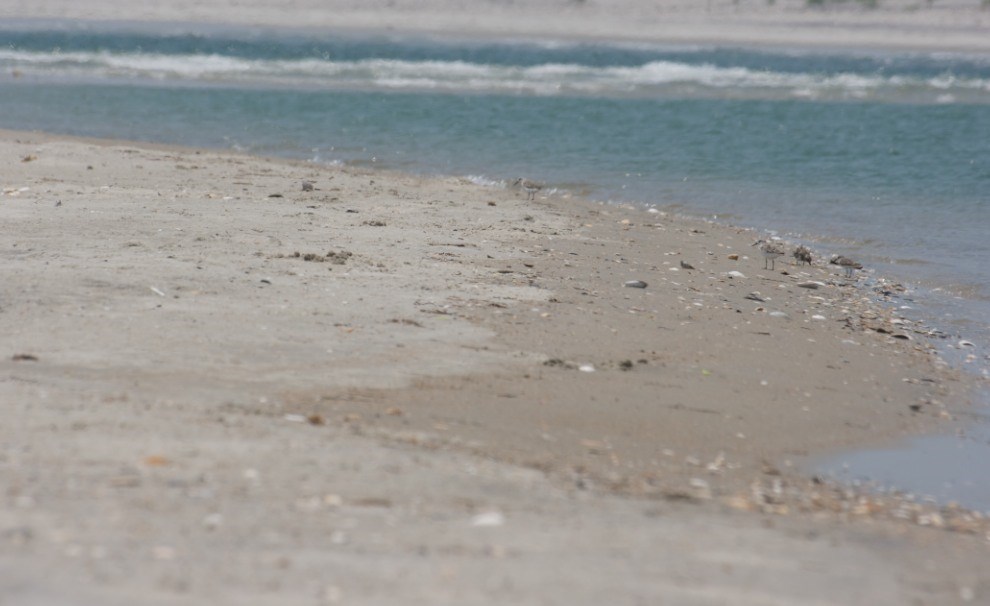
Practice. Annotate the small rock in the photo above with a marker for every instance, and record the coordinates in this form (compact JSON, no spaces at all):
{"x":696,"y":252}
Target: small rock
{"x":734,"y":274}
{"x":587,"y":368}
{"x":733,"y":257}
{"x":635,"y":284}
{"x":488,"y":519}
{"x":777,"y":314}
{"x":812,"y":284}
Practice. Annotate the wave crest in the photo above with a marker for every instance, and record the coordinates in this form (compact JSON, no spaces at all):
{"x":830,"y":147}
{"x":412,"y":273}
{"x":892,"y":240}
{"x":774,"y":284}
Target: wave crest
{"x":650,"y":79}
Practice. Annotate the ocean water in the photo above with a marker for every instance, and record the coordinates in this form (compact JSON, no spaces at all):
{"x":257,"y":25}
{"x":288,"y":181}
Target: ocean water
{"x":882,"y":156}
{"x":879,"y":155}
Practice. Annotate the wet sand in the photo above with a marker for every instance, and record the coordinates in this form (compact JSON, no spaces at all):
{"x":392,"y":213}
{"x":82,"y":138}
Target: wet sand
{"x":226,"y":389}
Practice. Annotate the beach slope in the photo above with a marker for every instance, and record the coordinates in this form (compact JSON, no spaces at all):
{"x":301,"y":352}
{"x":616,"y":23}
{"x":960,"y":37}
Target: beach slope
{"x":237,"y":380}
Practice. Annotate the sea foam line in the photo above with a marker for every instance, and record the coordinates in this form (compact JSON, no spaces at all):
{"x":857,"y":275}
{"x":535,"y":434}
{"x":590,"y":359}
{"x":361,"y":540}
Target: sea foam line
{"x":453,"y":76}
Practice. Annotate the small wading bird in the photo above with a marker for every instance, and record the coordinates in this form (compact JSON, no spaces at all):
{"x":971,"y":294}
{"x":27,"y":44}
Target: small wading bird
{"x":529,"y":186}
{"x":846,"y":263}
{"x":770,"y":252}
{"x":802,"y":255}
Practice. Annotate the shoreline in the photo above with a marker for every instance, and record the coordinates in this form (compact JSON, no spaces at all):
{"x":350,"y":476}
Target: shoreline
{"x":210,"y":337}
{"x":875,"y":314}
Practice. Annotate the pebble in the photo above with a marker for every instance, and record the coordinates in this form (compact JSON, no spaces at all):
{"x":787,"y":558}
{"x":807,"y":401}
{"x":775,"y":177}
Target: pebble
{"x":587,"y":368}
{"x":488,"y":519}
{"x":812,"y":284}
{"x":734,"y":274}
{"x":777,"y":314}
{"x":636,"y":284}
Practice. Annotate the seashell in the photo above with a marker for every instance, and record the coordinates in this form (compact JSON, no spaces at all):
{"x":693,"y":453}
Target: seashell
{"x":965,"y":343}
{"x":488,"y":519}
{"x":587,"y":368}
{"x":812,"y":284}
{"x":734,"y":274}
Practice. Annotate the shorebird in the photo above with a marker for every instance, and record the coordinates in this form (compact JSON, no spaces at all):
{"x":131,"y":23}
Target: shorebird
{"x":845,"y":263}
{"x":803,"y":255}
{"x":530,"y":187}
{"x":770,"y":252}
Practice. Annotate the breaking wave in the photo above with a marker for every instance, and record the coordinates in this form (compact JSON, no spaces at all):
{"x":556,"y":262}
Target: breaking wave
{"x":656,"y":78}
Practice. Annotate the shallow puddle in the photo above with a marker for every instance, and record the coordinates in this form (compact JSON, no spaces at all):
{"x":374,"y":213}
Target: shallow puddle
{"x":943,"y":468}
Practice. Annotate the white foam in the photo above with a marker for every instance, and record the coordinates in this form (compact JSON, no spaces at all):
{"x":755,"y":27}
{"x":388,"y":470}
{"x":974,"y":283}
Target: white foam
{"x":649,"y":79}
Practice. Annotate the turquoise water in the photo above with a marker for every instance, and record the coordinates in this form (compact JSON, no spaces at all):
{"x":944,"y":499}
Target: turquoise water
{"x":883,"y":156}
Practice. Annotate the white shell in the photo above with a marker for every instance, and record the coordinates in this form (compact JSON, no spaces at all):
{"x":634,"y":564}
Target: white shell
{"x":488,"y":518}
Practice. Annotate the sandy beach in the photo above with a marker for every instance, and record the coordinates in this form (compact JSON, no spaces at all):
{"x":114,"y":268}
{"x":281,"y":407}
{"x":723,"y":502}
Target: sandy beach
{"x":243,"y":380}
{"x":949,"y":25}
{"x":227,"y":389}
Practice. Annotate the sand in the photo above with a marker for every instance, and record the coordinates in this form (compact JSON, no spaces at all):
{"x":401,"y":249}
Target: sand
{"x":949,"y":25}
{"x":225,"y":389}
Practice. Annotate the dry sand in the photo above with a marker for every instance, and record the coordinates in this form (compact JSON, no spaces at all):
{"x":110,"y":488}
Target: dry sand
{"x":398,"y":415}
{"x":953,"y":25}
{"x":197,"y":414}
